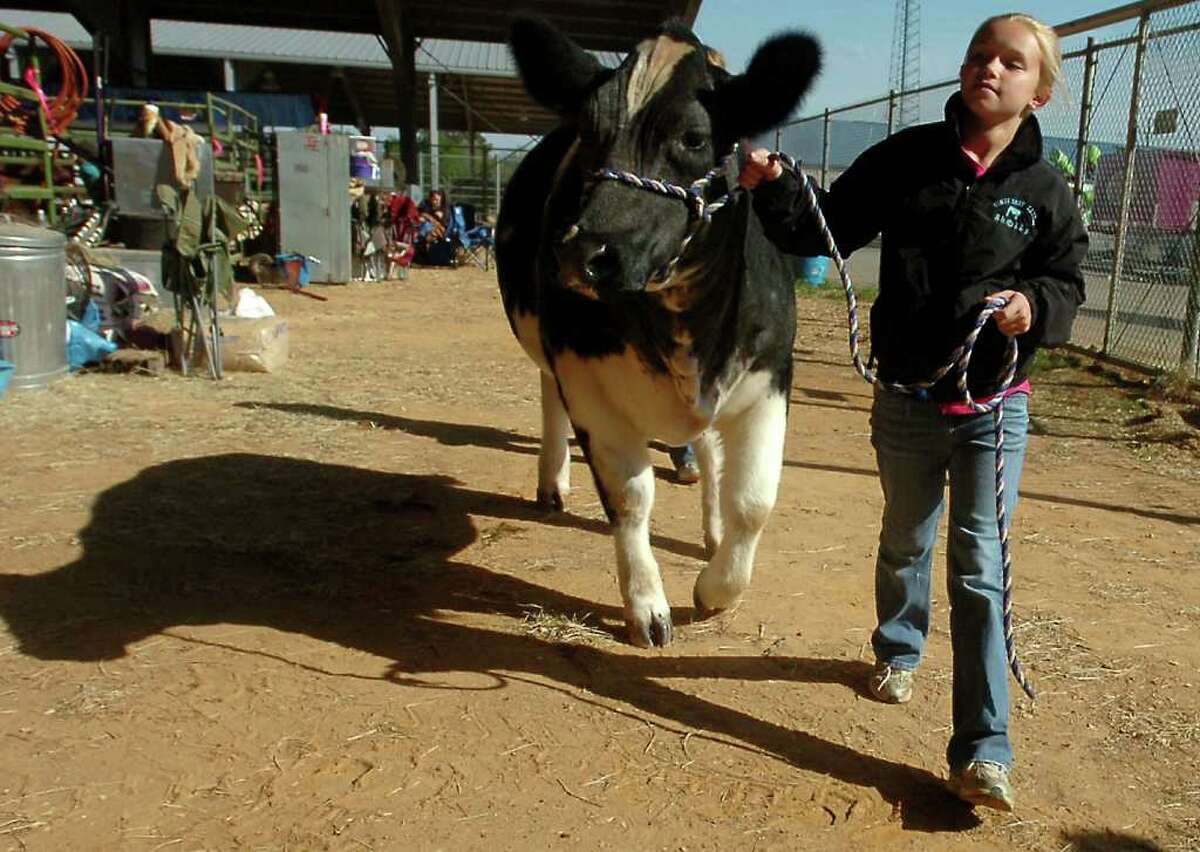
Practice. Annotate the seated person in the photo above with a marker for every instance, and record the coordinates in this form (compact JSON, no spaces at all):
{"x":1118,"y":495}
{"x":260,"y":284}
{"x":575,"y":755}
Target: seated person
{"x":404,"y":220}
{"x":434,"y":246}
{"x":435,"y":216}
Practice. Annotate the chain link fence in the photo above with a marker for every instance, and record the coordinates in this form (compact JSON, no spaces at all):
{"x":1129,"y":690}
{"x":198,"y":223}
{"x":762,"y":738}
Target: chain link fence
{"x":476,"y":178}
{"x":1134,"y":100}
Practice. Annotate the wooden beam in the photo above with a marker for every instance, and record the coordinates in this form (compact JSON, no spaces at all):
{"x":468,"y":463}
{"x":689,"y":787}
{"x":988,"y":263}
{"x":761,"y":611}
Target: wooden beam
{"x":402,"y":49}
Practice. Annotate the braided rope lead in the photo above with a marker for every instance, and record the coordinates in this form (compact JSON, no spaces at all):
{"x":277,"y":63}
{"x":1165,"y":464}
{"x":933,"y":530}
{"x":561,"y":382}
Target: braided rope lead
{"x":700,"y":212}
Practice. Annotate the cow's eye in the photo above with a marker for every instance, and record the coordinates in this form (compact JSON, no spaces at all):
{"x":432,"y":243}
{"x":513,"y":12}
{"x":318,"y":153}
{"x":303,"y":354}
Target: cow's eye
{"x":694,"y":140}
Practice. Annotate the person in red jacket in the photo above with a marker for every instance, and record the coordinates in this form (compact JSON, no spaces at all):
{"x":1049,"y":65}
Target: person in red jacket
{"x":966,"y":209}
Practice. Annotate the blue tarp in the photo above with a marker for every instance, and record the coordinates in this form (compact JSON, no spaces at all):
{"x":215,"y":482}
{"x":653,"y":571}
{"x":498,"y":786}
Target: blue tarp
{"x":272,"y":110}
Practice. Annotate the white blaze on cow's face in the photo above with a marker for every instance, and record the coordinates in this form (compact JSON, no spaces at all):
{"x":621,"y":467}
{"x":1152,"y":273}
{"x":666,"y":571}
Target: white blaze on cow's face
{"x":648,"y":118}
{"x":656,"y":61}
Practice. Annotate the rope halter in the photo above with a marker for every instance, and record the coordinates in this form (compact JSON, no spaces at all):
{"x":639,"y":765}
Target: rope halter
{"x":700,"y":210}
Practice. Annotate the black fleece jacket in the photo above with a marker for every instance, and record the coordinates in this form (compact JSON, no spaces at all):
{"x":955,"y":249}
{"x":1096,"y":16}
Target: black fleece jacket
{"x":948,"y":239}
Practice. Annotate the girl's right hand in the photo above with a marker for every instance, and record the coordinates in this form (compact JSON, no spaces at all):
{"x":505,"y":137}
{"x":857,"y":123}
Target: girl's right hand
{"x":760,"y":165}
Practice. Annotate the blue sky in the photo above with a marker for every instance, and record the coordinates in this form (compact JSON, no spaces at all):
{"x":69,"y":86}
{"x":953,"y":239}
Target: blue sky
{"x":857,"y":39}
{"x":857,"y":36}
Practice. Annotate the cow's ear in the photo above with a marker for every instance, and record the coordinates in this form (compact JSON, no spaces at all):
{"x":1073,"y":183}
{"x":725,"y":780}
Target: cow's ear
{"x":781,"y":71}
{"x":556,"y":71}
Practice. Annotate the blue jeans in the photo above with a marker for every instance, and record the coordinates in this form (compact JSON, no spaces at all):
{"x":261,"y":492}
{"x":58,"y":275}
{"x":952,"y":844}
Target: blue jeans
{"x":916,"y":447}
{"x":682,"y":455}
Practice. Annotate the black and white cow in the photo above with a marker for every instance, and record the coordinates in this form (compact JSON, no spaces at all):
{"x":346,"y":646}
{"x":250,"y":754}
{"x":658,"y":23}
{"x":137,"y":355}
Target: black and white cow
{"x":705,"y":356}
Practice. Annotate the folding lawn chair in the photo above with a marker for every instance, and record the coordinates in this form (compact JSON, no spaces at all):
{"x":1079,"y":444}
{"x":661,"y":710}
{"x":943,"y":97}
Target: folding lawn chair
{"x":475,"y":241}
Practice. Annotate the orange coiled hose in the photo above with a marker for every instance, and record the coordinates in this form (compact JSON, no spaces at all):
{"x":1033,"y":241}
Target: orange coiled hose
{"x":64,"y":106}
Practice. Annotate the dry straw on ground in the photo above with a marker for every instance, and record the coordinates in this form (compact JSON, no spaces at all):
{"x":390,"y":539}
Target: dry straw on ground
{"x":554,"y":627}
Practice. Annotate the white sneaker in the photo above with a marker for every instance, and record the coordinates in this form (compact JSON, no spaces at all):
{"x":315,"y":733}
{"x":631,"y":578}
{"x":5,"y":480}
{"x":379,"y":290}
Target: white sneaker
{"x":983,"y":783}
{"x":687,"y":473}
{"x":890,"y":684}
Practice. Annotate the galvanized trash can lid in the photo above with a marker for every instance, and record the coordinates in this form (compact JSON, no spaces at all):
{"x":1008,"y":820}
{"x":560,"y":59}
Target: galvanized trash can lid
{"x":18,"y":235}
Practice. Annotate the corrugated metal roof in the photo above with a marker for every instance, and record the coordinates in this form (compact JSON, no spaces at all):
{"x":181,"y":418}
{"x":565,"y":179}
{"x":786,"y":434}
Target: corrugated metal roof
{"x":303,"y":47}
{"x":56,"y":23}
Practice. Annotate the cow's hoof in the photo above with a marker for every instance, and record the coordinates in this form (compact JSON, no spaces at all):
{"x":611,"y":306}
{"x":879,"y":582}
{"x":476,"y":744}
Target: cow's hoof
{"x":702,"y":611}
{"x":551,"y":501}
{"x":712,"y":597}
{"x":655,"y":633}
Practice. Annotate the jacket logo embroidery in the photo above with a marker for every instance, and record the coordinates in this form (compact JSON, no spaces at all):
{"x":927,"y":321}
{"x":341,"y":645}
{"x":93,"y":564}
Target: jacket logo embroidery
{"x":1015,"y":213}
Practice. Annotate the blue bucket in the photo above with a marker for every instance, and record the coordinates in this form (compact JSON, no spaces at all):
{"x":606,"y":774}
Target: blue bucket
{"x":295,"y":266}
{"x":814,"y":270}
{"x":6,"y":373}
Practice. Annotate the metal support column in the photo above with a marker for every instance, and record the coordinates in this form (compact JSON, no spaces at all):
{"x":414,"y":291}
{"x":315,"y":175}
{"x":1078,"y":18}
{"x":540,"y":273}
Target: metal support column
{"x":1143,"y":34}
{"x":1085,"y":116}
{"x":497,"y":207}
{"x":435,"y":165}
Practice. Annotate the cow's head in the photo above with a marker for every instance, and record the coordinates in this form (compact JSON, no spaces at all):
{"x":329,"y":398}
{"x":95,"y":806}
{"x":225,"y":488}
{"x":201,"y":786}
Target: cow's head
{"x":670,"y":111}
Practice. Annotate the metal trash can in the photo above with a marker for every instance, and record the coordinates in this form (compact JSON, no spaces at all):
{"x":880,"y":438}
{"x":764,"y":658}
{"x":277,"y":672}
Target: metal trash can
{"x":33,"y":312}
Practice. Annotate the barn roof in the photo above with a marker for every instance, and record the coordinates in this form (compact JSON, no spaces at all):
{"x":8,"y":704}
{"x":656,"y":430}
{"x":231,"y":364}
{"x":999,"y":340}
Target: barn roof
{"x":478,"y":84}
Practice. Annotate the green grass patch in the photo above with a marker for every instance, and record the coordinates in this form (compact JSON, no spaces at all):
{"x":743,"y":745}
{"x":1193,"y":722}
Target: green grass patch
{"x":1045,"y":360}
{"x":833,"y":290}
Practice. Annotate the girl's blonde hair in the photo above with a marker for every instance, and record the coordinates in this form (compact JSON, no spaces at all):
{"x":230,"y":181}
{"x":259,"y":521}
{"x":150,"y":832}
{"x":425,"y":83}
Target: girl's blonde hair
{"x":1047,"y":40}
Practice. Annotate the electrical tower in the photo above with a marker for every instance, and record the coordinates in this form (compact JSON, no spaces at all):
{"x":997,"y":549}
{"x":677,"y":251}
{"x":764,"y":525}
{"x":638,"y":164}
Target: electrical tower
{"x":906,"y":61}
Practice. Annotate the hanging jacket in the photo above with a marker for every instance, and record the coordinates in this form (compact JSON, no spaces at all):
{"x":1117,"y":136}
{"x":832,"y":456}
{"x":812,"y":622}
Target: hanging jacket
{"x":949,"y":238}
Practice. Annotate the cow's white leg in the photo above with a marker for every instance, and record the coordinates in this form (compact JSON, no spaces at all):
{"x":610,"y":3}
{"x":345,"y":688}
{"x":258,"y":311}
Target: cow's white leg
{"x":554,"y":459}
{"x":626,"y":482}
{"x":710,"y":458}
{"x":753,"y":447}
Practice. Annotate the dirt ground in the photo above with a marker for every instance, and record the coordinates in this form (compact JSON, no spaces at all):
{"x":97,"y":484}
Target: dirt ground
{"x":318,"y":610}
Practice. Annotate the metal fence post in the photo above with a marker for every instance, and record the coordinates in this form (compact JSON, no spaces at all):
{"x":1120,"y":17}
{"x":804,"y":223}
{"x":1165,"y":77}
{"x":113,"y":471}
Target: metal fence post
{"x":1085,"y":115}
{"x":1189,"y":357}
{"x":1127,"y":184}
{"x":891,"y":111}
{"x":825,"y":154}
{"x":497,"y":207}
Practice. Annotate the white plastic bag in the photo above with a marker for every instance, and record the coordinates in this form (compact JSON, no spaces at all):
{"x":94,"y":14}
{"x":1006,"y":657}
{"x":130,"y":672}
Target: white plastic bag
{"x":252,"y":306}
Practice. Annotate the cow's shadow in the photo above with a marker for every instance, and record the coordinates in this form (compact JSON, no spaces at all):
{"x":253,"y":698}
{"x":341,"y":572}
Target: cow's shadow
{"x":366,"y":560}
{"x":443,"y":431}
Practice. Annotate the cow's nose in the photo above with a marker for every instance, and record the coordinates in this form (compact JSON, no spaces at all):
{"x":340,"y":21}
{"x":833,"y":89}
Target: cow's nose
{"x":601,"y":265}
{"x":590,"y":260}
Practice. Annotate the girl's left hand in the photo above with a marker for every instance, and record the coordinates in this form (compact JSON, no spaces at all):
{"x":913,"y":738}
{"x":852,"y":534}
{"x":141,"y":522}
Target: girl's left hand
{"x":1014,"y":318}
